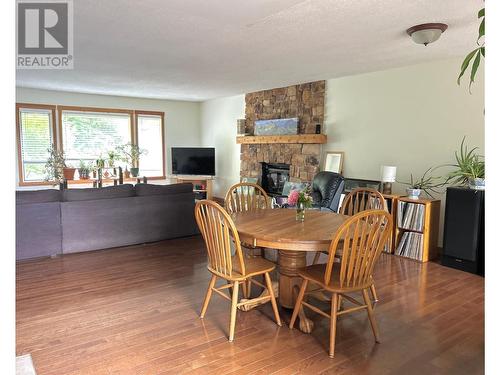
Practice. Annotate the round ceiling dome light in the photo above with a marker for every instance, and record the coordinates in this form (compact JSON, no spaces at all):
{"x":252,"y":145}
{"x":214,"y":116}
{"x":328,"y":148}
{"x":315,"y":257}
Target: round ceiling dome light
{"x":427,"y":32}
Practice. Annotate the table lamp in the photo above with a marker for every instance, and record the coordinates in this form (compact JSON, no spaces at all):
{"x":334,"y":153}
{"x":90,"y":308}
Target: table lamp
{"x":388,"y":176}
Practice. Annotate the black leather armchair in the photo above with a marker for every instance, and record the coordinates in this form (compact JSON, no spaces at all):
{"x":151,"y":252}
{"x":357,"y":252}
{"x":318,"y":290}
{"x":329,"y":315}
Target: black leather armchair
{"x":326,"y":190}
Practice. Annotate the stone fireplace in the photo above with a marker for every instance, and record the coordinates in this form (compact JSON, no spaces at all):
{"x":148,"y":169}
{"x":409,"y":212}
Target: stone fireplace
{"x":304,"y":101}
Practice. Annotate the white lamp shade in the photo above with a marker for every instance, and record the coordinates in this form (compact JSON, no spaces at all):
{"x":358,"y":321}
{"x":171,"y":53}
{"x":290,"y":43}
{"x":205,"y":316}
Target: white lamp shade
{"x":426,"y":36}
{"x":387,"y":173}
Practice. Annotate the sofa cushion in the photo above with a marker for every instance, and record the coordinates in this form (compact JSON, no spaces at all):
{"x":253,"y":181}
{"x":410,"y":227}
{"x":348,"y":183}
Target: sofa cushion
{"x":109,"y":192}
{"x":37,"y":196}
{"x":150,"y":189}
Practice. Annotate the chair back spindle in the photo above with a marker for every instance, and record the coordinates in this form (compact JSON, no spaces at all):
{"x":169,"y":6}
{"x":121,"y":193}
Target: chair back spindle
{"x":246,"y":196}
{"x":219,"y":231}
{"x":362,"y":199}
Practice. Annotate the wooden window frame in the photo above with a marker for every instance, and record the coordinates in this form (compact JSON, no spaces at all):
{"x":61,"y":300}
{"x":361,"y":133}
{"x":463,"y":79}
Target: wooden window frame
{"x":136,"y":141}
{"x":20,"y":163}
{"x":57,"y":131}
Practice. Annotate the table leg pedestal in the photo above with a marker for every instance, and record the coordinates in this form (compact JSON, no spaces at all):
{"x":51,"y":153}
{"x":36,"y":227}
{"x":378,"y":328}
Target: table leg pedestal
{"x":289,"y":283}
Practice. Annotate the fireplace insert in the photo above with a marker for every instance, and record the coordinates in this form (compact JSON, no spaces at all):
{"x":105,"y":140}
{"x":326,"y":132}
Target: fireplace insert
{"x":274,"y":177}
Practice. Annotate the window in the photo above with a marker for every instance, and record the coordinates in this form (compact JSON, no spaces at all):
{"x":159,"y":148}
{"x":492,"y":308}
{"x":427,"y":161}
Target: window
{"x":88,"y":134}
{"x":150,"y":138}
{"x":36,"y":134}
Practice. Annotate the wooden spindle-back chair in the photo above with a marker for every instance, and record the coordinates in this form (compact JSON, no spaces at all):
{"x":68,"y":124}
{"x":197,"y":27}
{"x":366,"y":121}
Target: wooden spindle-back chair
{"x":362,"y":199}
{"x":242,"y":197}
{"x":359,"y":200}
{"x":219,"y":233}
{"x":246,"y":196}
{"x":362,"y":238}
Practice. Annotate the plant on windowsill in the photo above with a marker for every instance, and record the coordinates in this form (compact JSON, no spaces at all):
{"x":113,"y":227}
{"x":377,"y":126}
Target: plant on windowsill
{"x":84,"y":170}
{"x":425,"y":183}
{"x":130,"y":154}
{"x":113,"y":156}
{"x":55,"y":167}
{"x":470,"y":168}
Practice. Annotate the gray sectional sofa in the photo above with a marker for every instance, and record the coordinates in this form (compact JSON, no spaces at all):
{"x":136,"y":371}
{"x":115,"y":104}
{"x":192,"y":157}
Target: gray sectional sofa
{"x":51,"y":222}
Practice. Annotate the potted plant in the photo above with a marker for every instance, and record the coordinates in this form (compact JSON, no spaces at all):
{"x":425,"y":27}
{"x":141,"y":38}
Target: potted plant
{"x":130,"y":154}
{"x":301,"y":200}
{"x":55,"y":168}
{"x":112,"y":157}
{"x":425,"y":183}
{"x":84,"y":170}
{"x":470,"y":168}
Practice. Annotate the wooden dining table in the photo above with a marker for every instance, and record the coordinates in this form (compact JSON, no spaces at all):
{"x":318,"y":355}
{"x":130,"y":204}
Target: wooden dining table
{"x":278,"y":229}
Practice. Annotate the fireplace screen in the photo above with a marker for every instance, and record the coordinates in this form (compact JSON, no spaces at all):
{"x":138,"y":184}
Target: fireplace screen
{"x":274,"y":177}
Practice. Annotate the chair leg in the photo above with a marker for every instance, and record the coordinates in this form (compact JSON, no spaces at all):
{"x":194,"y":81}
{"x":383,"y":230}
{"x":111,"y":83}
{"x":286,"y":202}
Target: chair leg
{"x":316,"y":257}
{"x":371,"y":316}
{"x":298,"y":303}
{"x":374,"y":293}
{"x":273,"y":298}
{"x":234,"y":303}
{"x":339,"y":306}
{"x":248,"y":287}
{"x":244,"y":289}
{"x":333,"y":323}
{"x":211,"y":284}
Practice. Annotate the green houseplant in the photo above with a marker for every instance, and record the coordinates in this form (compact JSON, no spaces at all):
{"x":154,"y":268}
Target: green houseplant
{"x":475,"y":55}
{"x":427,"y":183}
{"x":56,"y":168}
{"x":113,"y":156}
{"x":130,"y":154}
{"x":84,"y":170}
{"x":470,"y":168}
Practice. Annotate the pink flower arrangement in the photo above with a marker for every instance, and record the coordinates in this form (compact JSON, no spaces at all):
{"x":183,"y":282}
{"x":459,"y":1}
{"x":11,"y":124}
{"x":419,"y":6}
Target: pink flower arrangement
{"x":293,"y":198}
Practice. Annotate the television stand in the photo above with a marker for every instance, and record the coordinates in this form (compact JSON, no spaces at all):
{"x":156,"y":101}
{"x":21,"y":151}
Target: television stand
{"x":202,"y":185}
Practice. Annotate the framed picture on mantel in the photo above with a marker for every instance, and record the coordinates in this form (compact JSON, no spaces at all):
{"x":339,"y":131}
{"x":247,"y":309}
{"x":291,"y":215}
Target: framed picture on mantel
{"x":333,"y":161}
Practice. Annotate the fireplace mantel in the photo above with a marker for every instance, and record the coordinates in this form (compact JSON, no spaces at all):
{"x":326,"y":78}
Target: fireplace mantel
{"x":300,"y":138}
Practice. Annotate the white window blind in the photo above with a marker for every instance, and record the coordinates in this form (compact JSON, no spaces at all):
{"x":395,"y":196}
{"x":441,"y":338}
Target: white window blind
{"x":90,"y":135}
{"x":35,"y":128}
{"x":150,"y":138}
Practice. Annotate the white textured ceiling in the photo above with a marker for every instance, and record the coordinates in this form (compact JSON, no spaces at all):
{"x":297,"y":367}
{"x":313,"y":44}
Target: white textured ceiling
{"x":202,"y":49}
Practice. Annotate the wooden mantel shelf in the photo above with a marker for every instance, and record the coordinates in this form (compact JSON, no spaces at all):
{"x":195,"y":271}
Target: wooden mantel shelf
{"x":300,"y":138}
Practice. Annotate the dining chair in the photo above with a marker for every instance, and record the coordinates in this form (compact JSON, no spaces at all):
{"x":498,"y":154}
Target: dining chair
{"x":246,"y":196}
{"x":220,"y":236}
{"x":362,"y":199}
{"x":242,"y":197}
{"x":358,"y":200}
{"x":362,"y":238}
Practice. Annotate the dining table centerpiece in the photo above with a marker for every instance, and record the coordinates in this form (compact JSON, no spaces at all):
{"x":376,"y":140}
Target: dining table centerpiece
{"x":301,"y":200}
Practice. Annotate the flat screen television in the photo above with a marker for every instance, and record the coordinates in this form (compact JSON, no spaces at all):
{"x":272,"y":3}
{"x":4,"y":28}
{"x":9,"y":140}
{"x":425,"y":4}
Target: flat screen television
{"x":198,"y":161}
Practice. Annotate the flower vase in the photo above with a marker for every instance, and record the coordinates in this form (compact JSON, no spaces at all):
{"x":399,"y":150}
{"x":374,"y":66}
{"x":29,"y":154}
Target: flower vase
{"x":300,"y":215}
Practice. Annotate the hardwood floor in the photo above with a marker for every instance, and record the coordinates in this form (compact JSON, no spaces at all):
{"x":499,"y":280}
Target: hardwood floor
{"x":135,"y":311}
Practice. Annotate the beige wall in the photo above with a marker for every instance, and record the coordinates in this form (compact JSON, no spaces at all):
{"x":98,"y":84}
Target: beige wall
{"x":182,"y":119}
{"x":412,"y":117}
{"x":218,"y":129}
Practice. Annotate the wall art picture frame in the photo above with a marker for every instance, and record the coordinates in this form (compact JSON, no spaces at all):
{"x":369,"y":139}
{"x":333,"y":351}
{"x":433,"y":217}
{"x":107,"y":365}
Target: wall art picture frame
{"x":333,"y":161}
{"x":283,"y":126}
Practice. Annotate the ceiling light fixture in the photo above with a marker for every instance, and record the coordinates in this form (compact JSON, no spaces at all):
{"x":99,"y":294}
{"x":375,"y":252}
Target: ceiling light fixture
{"x":427,"y":32}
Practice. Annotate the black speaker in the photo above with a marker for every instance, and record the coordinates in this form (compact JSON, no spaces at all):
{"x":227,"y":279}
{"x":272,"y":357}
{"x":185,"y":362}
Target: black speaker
{"x":463,"y":243}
